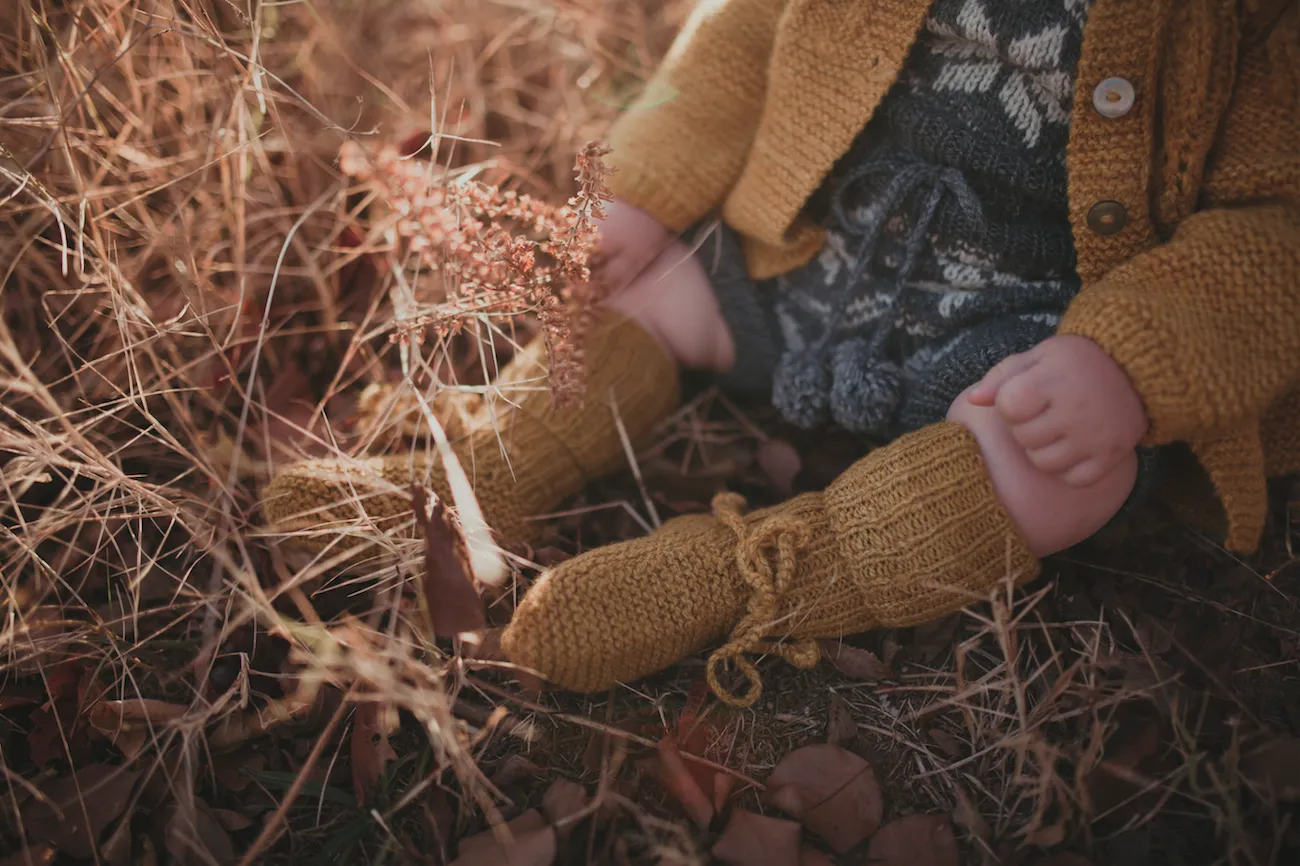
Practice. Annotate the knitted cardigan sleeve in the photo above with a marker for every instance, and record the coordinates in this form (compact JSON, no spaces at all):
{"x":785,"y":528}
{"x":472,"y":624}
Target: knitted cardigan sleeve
{"x":1207,"y":325}
{"x":682,"y":145}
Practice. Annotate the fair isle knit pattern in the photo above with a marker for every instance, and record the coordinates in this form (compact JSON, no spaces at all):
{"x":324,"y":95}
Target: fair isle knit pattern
{"x":949,"y":244}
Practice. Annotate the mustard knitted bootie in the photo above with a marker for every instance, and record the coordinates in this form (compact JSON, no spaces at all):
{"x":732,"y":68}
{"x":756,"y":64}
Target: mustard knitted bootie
{"x":911,"y":532}
{"x":523,"y":455}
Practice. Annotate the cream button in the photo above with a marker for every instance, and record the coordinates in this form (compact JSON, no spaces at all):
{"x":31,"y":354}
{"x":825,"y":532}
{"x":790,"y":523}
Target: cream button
{"x":1114,"y":97}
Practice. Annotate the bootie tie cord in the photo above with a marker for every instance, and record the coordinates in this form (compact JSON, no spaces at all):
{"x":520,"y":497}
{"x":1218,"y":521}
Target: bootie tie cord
{"x":785,"y":536}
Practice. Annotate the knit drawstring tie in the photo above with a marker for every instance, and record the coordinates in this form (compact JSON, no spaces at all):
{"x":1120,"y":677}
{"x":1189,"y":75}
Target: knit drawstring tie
{"x":861,"y":387}
{"x":786,"y":537}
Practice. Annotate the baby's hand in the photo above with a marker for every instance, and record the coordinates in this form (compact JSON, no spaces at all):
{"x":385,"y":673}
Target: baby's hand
{"x":1069,"y":405}
{"x":630,"y":239}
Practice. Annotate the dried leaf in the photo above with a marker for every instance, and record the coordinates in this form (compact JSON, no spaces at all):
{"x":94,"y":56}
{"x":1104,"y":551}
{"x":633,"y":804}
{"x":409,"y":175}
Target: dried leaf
{"x":1063,"y":860}
{"x":235,"y":770}
{"x":371,"y":752}
{"x":289,"y":412}
{"x":483,"y":646}
{"x":670,"y":769}
{"x":440,"y":821}
{"x":723,"y":785}
{"x":841,"y":728}
{"x":57,"y":730}
{"x":810,"y":856}
{"x":75,"y":809}
{"x":562,"y":799}
{"x":832,"y":791}
{"x":532,"y":842}
{"x":451,"y":603}
{"x":237,"y":728}
{"x":947,"y":743}
{"x":968,"y":817}
{"x":781,"y":463}
{"x":200,"y":843}
{"x":513,"y":768}
{"x":37,"y":642}
{"x":130,"y":724}
{"x":116,"y":849}
{"x":1118,"y":777}
{"x":20,"y":695}
{"x":40,"y":854}
{"x":694,"y":733}
{"x":915,"y":840}
{"x":757,"y":840}
{"x":232,"y":821}
{"x":1133,"y":848}
{"x":932,"y":640}
{"x":1046,"y":835}
{"x":855,"y":662}
{"x":1275,"y":766}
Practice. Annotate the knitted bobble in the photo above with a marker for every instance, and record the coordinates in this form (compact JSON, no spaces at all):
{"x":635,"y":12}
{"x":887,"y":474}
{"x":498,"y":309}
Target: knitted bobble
{"x":801,"y":387}
{"x":866,"y":391}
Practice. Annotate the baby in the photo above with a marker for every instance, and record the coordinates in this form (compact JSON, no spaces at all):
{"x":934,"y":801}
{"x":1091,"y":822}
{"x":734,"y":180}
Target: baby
{"x":1045,"y":255}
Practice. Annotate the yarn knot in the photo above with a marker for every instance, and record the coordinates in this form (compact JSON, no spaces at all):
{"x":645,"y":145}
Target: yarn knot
{"x":785,"y":537}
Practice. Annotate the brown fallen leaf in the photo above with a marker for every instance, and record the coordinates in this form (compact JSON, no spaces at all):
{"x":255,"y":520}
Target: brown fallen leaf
{"x":967,"y":816}
{"x":371,"y":752}
{"x":36,"y":641}
{"x":514,"y":768}
{"x":74,"y":810}
{"x":1275,"y":767}
{"x":757,"y":840}
{"x":200,"y":842}
{"x":289,"y":414}
{"x":932,"y":640}
{"x":694,"y":733}
{"x":532,"y":842}
{"x":855,"y":662}
{"x":452,"y":605}
{"x":810,"y":856}
{"x":130,"y":724}
{"x":914,"y":840}
{"x":841,"y":727}
{"x":57,"y":728}
{"x":232,"y":821}
{"x":235,"y":770}
{"x":947,"y":743}
{"x":440,"y":822}
{"x":563,"y":799}
{"x":1113,"y":783}
{"x":832,"y":791}
{"x":671,"y":770}
{"x":40,"y":854}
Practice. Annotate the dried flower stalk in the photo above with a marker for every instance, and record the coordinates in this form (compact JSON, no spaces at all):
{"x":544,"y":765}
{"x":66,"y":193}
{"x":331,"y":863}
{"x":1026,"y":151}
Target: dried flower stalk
{"x":500,"y":253}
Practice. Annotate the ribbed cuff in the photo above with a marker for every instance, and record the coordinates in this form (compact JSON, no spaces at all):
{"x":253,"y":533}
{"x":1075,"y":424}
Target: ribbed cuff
{"x":921,"y":524}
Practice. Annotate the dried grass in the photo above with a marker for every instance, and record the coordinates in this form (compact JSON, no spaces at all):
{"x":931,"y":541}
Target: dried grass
{"x":192,"y":294}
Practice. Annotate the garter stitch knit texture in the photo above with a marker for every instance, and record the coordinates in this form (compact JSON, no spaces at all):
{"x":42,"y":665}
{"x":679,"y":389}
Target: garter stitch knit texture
{"x":1194,"y":293}
{"x":909,"y":533}
{"x":523,"y":455}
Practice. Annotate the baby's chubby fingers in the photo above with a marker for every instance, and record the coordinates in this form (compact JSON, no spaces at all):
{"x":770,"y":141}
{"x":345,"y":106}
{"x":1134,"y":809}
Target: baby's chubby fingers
{"x":1059,"y":457}
{"x":1025,"y":396}
{"x":1042,"y":430}
{"x":986,"y":392}
{"x":1087,"y":472}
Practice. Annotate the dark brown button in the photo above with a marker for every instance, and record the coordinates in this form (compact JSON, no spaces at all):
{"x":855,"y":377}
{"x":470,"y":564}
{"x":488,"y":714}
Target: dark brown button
{"x":1107,"y":218}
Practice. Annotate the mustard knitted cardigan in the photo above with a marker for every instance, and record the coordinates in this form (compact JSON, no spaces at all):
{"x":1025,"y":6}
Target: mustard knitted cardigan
{"x":1197,"y":296}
